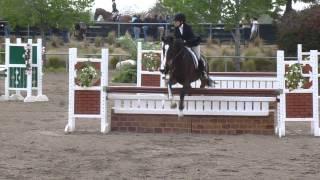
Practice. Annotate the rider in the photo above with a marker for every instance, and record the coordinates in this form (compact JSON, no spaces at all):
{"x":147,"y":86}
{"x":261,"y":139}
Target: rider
{"x":183,"y":31}
{"x":115,"y":11}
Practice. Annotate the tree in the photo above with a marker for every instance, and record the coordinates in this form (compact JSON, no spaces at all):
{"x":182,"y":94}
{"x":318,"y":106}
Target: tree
{"x":230,"y":12}
{"x":45,"y":14}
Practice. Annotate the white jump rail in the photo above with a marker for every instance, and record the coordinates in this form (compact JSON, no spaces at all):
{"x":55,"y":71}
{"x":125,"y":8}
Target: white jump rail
{"x":194,"y":105}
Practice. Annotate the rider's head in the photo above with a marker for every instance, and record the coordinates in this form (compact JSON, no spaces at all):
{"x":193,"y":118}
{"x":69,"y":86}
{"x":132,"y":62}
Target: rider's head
{"x":179,"y":19}
{"x":113,"y":0}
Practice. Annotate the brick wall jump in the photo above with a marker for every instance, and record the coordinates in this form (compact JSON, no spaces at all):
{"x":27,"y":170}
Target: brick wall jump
{"x":140,"y":123}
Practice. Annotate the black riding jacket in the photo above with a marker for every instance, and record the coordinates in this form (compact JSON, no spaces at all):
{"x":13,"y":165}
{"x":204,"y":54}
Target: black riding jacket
{"x":187,"y":35}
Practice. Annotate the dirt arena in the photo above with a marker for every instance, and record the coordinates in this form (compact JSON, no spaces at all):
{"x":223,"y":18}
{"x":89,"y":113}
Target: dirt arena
{"x":33,"y":146}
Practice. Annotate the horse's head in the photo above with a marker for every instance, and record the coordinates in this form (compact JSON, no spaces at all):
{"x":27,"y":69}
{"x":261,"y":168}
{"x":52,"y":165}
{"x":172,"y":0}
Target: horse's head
{"x":171,"y":49}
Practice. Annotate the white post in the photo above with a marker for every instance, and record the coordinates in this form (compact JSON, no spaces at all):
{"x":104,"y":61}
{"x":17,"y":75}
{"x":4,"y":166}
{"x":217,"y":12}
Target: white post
{"x":103,"y":94}
{"x":282,"y":104}
{"x":139,"y":64}
{"x":7,"y":78}
{"x":315,"y":101}
{"x":29,"y":97}
{"x":299,"y":53}
{"x":40,"y":96}
{"x":162,"y":76}
{"x":70,"y":127}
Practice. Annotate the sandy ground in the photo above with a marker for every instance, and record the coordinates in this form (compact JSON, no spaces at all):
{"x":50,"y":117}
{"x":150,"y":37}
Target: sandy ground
{"x":33,"y":146}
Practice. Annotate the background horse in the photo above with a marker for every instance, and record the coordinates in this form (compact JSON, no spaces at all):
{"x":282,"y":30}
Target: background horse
{"x":107,"y":16}
{"x":181,"y":68}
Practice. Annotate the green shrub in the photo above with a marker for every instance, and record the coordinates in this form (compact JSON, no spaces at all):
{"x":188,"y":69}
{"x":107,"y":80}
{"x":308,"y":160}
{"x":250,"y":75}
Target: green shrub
{"x":111,"y":38}
{"x":55,"y":63}
{"x":265,"y":65}
{"x":248,"y":65}
{"x":111,"y":49}
{"x":127,"y":43}
{"x":113,"y":62}
{"x":128,"y":74}
{"x":221,"y":65}
{"x":151,"y":45}
{"x":98,"y":42}
{"x":227,"y":51}
{"x":56,"y":70}
{"x":300,"y":27}
{"x":56,"y":41}
{"x":2,"y":56}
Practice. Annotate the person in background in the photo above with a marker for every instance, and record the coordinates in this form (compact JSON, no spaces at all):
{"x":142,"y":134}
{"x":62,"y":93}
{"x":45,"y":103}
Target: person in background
{"x":153,"y":28}
{"x":145,"y":27}
{"x":7,"y":30}
{"x":115,"y":12}
{"x":161,"y":27}
{"x":137,"y":27}
{"x":254,"y":29}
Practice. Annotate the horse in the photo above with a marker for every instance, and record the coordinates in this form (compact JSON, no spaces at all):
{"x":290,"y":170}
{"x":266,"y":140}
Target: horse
{"x":107,"y":16}
{"x":181,"y":68}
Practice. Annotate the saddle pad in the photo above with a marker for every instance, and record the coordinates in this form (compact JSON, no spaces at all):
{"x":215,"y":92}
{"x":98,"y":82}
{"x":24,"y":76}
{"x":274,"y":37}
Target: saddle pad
{"x":194,"y":57}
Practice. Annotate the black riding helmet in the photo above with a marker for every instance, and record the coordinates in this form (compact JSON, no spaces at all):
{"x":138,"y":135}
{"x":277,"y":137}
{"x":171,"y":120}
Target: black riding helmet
{"x":180,"y":17}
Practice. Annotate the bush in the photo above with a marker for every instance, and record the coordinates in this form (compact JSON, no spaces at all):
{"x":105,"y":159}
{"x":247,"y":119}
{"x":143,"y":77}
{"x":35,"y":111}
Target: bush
{"x":56,"y":41}
{"x":300,"y":27}
{"x":113,"y":62}
{"x":55,"y":63}
{"x":264,"y":65}
{"x":257,"y":64}
{"x":98,"y":42}
{"x":221,"y":65}
{"x":248,"y":66}
{"x":127,"y":43}
{"x":2,"y":56}
{"x":128,"y":74}
{"x":111,"y":38}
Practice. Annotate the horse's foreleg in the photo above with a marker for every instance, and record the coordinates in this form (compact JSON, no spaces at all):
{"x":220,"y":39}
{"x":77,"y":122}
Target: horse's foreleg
{"x":181,"y":102}
{"x":170,"y":96}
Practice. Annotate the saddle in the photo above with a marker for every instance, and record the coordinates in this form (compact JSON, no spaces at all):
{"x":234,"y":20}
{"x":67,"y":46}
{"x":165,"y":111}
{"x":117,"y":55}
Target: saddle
{"x":194,"y":57}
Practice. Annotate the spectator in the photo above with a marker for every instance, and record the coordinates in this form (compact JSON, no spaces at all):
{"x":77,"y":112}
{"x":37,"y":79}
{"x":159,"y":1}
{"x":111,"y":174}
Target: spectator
{"x":137,"y":27}
{"x":145,"y":27}
{"x":65,"y":35}
{"x":161,"y":27}
{"x":7,"y":30}
{"x":153,"y":29}
{"x":254,"y":29}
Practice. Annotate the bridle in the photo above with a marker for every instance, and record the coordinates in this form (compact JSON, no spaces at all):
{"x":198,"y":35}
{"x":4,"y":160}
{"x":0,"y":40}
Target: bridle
{"x":172,"y":59}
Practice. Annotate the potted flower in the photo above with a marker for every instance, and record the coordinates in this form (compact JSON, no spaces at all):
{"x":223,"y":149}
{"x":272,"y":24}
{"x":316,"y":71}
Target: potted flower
{"x":87,"y":75}
{"x":294,"y":77}
{"x":151,"y":61}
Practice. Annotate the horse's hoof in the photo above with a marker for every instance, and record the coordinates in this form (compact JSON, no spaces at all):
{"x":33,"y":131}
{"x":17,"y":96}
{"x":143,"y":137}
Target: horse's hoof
{"x":180,"y":114}
{"x":173,"y":105}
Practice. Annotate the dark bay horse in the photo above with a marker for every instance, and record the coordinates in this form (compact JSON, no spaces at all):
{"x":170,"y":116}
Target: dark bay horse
{"x":180,"y":67}
{"x":107,"y":16}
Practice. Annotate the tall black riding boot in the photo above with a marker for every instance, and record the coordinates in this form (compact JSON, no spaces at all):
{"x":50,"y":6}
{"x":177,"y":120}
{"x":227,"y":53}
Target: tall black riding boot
{"x":202,"y":70}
